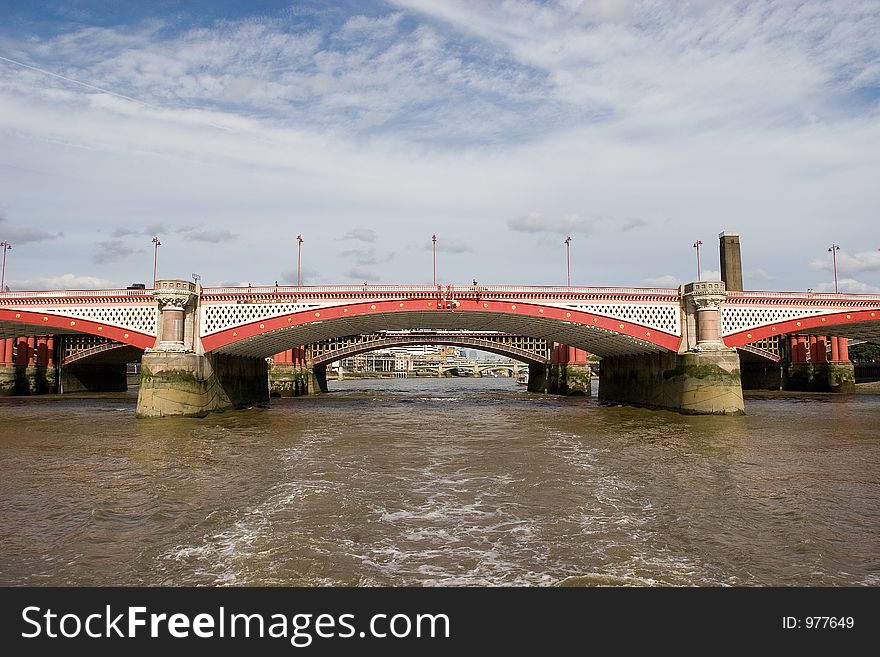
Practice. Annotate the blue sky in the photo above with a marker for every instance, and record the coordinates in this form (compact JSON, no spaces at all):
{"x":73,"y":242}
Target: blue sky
{"x":227,"y":128}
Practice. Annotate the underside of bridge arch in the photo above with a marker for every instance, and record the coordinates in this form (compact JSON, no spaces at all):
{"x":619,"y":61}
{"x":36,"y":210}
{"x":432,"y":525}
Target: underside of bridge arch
{"x":859,"y":325}
{"x":98,"y":371}
{"x":14,"y":323}
{"x":596,"y":334}
{"x":520,"y":355}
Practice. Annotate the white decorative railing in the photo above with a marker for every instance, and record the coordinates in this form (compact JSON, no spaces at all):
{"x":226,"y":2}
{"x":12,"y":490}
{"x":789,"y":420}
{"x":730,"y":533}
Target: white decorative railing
{"x":52,"y":295}
{"x":307,"y":291}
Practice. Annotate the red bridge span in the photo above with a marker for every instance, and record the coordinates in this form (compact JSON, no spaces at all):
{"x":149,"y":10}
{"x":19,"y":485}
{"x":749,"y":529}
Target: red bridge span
{"x":628,"y":327}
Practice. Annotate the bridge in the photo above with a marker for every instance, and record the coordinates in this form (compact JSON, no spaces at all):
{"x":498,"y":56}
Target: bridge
{"x":664,"y":347}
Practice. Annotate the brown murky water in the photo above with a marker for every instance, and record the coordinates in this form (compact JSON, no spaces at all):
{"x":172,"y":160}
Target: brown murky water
{"x":440,"y":482}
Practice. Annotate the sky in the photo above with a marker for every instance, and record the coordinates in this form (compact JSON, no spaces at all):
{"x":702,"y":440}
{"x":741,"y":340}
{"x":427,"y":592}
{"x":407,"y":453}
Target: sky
{"x":226,"y":128}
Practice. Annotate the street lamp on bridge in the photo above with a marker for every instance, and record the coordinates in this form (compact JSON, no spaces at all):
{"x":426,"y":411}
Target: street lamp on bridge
{"x":434,"y":241}
{"x":567,"y":241}
{"x":6,"y":247}
{"x":156,"y":244}
{"x":697,"y":247}
{"x":833,"y":250}
{"x":299,"y":244}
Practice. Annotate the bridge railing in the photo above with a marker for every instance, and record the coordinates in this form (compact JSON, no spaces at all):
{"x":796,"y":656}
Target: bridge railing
{"x":457,"y":291}
{"x":759,"y":295}
{"x":138,"y":294}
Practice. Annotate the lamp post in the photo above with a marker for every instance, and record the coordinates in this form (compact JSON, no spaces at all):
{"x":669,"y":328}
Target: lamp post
{"x":697,"y":247}
{"x":434,"y":241}
{"x":299,"y":245}
{"x":156,"y":243}
{"x":833,"y":250}
{"x":567,"y":241}
{"x":6,"y":247}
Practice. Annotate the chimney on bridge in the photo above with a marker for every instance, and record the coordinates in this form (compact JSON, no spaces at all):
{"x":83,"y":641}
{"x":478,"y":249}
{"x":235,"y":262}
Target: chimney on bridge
{"x":731,"y":262}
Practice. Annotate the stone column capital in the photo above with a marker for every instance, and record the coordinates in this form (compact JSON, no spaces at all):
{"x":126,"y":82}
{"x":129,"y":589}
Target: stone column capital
{"x":174,"y":295}
{"x":706,"y":295}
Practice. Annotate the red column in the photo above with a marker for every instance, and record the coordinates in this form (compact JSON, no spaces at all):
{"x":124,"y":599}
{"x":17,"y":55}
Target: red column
{"x":813,"y":348}
{"x":2,"y":351}
{"x":835,"y":350}
{"x":31,"y":344}
{"x":577,"y":356}
{"x":41,"y":356}
{"x":821,"y":352}
{"x":844,"y":349}
{"x":803,"y":349}
{"x":798,"y":349}
{"x":50,"y":351}
{"x":21,"y":353}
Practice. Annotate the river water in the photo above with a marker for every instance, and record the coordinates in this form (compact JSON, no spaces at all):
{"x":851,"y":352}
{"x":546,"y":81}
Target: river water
{"x":440,"y":482}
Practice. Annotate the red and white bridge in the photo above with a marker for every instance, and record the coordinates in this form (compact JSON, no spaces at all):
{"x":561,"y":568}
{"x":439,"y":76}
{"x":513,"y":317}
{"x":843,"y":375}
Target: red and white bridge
{"x":665,"y":347}
{"x":262,"y":321}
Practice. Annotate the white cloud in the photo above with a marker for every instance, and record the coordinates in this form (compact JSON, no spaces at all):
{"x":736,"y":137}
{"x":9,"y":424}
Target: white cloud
{"x":451,"y":117}
{"x":850,"y":285}
{"x":667,"y":280}
{"x":537,"y":223}
{"x":63,"y":282}
{"x":856,"y":263}
{"x":450,"y":245}
{"x":760,"y":275}
{"x":367,"y":256}
{"x":210,"y":235}
{"x":361,"y":235}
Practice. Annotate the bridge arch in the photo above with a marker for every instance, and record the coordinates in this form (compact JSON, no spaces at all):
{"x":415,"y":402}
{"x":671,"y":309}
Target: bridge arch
{"x":14,"y":322}
{"x":111,"y":353}
{"x":520,"y":355}
{"x":849,"y":324}
{"x":593,"y":332}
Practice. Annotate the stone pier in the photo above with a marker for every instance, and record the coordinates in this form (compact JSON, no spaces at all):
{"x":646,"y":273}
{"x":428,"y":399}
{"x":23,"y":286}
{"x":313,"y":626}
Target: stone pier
{"x":703,"y":378}
{"x":292,"y":374}
{"x":539,"y":378}
{"x":569,"y":372}
{"x":810,"y":370}
{"x":27,"y":366}
{"x":194,"y":385}
{"x":179,"y":379}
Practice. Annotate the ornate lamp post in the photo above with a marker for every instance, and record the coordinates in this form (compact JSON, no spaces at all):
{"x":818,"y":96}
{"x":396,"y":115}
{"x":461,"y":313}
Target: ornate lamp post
{"x":6,"y":247}
{"x":833,"y":250}
{"x":299,"y":245}
{"x":568,"y":257}
{"x":434,"y":241}
{"x":156,"y":244}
